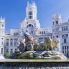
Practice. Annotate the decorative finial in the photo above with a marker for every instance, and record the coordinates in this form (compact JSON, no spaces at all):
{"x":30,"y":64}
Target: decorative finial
{"x":33,"y":2}
{"x":27,"y":3}
{"x":2,"y":19}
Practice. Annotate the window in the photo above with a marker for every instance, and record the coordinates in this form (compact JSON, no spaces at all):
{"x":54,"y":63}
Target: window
{"x":53,"y":23}
{"x":44,"y":32}
{"x":65,"y":36}
{"x":11,"y":51}
{"x":7,"y":42}
{"x":2,"y":42}
{"x":2,"y":38}
{"x":62,"y":36}
{"x":30,"y":13}
{"x":15,"y":41}
{"x":66,"y":50}
{"x":41,"y":39}
{"x":32,"y":32}
{"x":15,"y":49}
{"x":57,"y":36}
{"x":40,"y":32}
{"x":29,"y":25}
{"x":65,"y":28}
{"x":30,"y":17}
{"x":64,"y":40}
{"x":11,"y":41}
{"x":16,"y":34}
{"x":63,"y":47}
{"x":1,"y":50}
{"x":56,"y":22}
{"x":2,"y":25}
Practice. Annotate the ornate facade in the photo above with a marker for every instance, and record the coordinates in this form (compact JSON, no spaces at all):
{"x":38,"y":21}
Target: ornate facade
{"x":29,"y":25}
{"x":60,"y":30}
{"x":10,"y":41}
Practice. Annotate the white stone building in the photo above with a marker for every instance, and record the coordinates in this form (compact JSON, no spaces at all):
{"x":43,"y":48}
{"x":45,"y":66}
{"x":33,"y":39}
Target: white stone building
{"x":2,"y":35}
{"x":31,"y":25}
{"x":60,"y":30}
{"x":11,"y":41}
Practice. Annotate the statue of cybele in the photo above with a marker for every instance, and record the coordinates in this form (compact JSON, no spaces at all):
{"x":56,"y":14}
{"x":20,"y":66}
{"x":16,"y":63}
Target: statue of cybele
{"x":28,"y":42}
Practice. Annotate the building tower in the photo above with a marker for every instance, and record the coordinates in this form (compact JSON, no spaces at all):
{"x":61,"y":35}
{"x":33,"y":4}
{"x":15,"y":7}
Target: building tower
{"x":2,"y":35}
{"x":31,"y":11}
{"x":31,"y":24}
{"x":56,"y":28}
{"x":56,"y":25}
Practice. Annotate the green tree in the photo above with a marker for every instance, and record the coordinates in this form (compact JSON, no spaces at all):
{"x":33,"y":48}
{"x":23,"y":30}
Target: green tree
{"x":50,"y":44}
{"x":35,"y":47}
{"x":7,"y":55}
{"x":47,"y":44}
{"x":54,"y":43}
{"x":41,"y":47}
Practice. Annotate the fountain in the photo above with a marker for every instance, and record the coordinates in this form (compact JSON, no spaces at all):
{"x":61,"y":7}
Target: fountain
{"x":26,"y":50}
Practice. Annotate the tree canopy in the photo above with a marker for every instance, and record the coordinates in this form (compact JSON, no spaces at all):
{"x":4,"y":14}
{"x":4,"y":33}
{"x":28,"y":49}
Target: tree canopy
{"x":50,"y":44}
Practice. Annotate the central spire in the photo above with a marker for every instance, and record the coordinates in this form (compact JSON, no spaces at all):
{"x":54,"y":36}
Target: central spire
{"x":31,"y":10}
{"x":31,"y":3}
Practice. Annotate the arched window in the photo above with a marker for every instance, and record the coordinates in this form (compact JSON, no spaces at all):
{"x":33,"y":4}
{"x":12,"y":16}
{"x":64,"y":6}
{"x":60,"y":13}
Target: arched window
{"x":1,"y":50}
{"x":11,"y":51}
{"x":44,"y":32}
{"x":56,"y":22}
{"x":30,"y":25}
{"x":30,"y":17}
{"x":30,"y":13}
{"x":40,"y":32}
{"x":11,"y":42}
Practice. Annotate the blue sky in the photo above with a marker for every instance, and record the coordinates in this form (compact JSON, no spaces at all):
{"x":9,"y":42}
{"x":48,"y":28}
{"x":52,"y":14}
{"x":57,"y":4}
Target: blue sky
{"x":14,"y":11}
